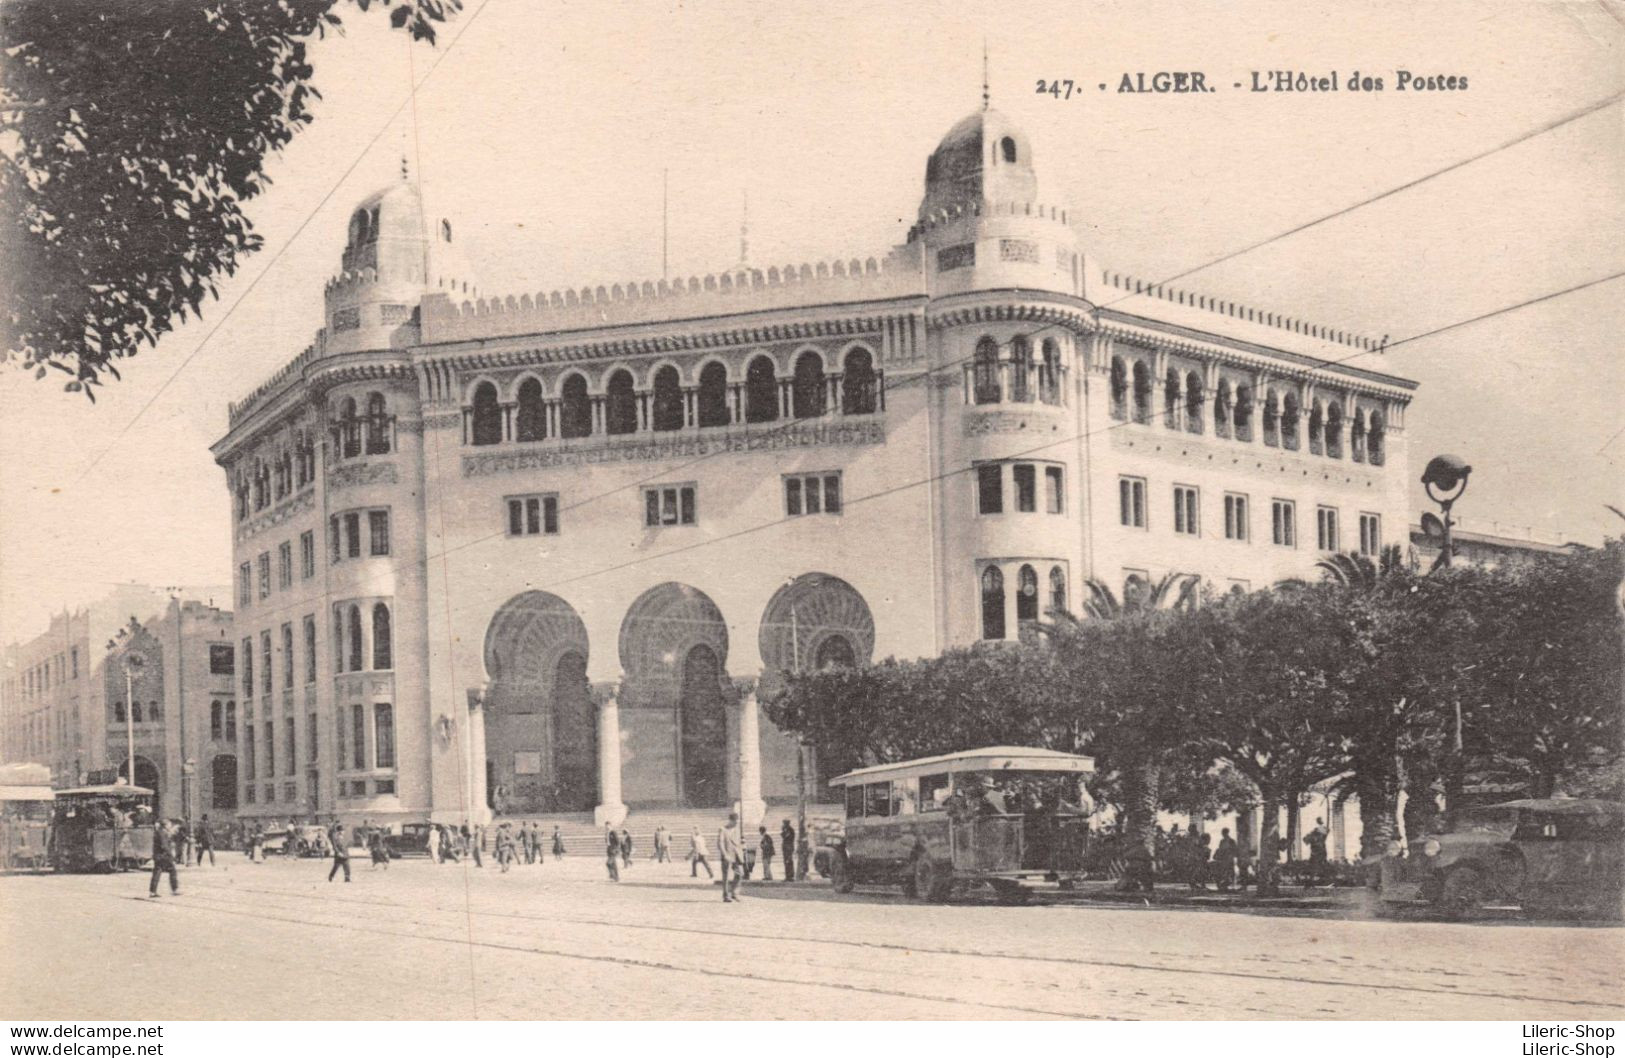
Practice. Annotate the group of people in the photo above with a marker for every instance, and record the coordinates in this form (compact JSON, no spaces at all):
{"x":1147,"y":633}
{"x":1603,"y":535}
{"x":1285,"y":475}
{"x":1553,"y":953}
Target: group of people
{"x":1192,"y":857}
{"x":736,"y":857}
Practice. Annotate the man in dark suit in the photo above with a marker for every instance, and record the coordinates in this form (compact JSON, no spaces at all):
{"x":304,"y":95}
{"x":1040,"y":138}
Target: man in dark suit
{"x":787,"y":844}
{"x":205,"y":841}
{"x":163,"y":859}
{"x":341,"y":851}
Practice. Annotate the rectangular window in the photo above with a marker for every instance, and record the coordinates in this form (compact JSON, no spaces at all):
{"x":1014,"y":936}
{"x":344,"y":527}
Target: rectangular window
{"x":76,"y":663}
{"x":378,"y":532}
{"x":265,"y":662}
{"x":335,"y":540}
{"x":384,"y":786}
{"x":533,"y":515}
{"x":307,"y":554}
{"x":245,"y":584}
{"x":1284,"y":523}
{"x":877,"y":799}
{"x":1326,"y":528}
{"x":312,"y":742}
{"x":248,"y":667}
{"x":231,"y":721}
{"x":1131,"y":502}
{"x":265,"y":574}
{"x":812,"y":494}
{"x":310,"y":648}
{"x":290,"y":742}
{"x":358,"y":729}
{"x":248,"y":795}
{"x":1055,"y":490}
{"x":270,"y":794}
{"x":383,"y":731}
{"x":220,"y":659}
{"x":1186,"y":520}
{"x":284,"y":565}
{"x":352,"y":535}
{"x":668,"y":505}
{"x":339,"y":722}
{"x":1370,"y":534}
{"x":990,"y":488}
{"x":1235,"y":517}
{"x":270,"y":749}
{"x":287,"y":657}
{"x":1026,"y":481}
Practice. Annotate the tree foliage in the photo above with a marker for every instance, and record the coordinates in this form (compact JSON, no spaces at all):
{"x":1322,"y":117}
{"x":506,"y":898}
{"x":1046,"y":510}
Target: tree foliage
{"x":133,"y":134}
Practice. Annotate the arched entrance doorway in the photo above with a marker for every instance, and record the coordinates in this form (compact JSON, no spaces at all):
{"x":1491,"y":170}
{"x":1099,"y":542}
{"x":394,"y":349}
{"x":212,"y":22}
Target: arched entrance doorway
{"x":541,"y":736}
{"x":146,"y":774}
{"x":674,"y":650}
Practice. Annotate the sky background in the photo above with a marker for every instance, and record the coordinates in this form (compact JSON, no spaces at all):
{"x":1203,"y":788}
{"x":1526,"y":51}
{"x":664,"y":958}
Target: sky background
{"x":544,"y":130}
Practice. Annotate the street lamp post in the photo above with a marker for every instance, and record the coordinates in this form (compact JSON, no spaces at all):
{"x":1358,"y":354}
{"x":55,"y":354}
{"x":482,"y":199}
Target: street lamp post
{"x":1445,"y":480}
{"x":133,"y":663}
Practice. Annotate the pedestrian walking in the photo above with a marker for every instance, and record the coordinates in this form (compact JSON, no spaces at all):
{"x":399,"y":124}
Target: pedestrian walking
{"x":474,"y":841}
{"x":183,"y":841}
{"x":163,"y":860}
{"x":662,"y":843}
{"x":787,"y":844}
{"x":379,"y":850}
{"x":1200,"y":852}
{"x":341,"y":851}
{"x":536,"y":843}
{"x":204,"y":840}
{"x":558,"y":843}
{"x":803,"y":853}
{"x":1319,"y":868}
{"x":730,"y":857}
{"x":765,"y":843}
{"x":1224,"y":861}
{"x":432,"y":842}
{"x":626,"y":847}
{"x":612,"y":851}
{"x":697,"y":857}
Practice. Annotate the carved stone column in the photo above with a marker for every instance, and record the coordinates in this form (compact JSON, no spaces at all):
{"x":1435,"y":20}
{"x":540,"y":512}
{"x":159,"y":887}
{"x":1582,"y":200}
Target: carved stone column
{"x":610,"y":809}
{"x":751,"y":806}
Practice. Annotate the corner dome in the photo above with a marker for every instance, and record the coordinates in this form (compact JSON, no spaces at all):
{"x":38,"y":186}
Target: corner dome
{"x":394,"y":233}
{"x":984,"y":157}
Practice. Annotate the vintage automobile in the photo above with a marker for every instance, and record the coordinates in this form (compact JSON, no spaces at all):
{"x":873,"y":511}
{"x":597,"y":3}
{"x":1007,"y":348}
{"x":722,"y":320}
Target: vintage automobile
{"x":1005,"y":817}
{"x":100,"y":828}
{"x":26,"y":802}
{"x":411,"y":840}
{"x":1548,"y":856}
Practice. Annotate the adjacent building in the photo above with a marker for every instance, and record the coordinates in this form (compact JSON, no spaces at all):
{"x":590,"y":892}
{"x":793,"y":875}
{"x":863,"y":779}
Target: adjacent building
{"x":542,"y":552}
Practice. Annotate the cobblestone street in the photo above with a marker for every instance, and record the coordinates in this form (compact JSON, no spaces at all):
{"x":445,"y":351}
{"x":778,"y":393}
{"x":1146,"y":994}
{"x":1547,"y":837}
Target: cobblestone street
{"x":275,"y":941}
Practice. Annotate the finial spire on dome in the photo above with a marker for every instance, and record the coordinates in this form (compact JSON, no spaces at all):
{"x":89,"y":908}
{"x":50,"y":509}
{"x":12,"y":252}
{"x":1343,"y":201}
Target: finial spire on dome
{"x":986,"y":95}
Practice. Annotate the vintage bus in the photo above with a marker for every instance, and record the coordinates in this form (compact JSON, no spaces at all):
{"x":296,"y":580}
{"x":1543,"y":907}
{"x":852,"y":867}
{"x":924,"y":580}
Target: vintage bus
{"x":1005,"y":817}
{"x":25,"y":816}
{"x":102,"y":828}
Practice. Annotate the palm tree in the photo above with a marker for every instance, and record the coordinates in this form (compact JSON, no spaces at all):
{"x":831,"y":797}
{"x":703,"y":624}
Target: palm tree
{"x":1175,"y":591}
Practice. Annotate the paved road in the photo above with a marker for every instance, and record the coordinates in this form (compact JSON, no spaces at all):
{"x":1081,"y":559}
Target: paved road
{"x":276,"y":941}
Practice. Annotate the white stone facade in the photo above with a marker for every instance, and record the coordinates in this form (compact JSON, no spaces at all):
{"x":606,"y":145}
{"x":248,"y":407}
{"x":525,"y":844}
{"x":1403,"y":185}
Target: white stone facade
{"x":606,"y":513}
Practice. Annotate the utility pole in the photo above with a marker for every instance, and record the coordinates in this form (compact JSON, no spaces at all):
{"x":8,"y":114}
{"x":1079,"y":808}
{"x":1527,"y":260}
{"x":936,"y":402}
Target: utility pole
{"x":792,"y":857}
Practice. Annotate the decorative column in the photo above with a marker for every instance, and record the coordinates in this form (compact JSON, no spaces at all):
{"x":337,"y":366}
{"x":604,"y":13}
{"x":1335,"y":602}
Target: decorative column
{"x":479,"y":797}
{"x":751,"y":806}
{"x":835,"y":394}
{"x":691,"y":405}
{"x":610,"y":808}
{"x":1339,"y":827}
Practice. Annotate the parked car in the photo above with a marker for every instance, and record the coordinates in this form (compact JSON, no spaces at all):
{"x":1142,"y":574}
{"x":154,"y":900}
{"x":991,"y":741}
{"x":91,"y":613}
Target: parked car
{"x":411,"y":840}
{"x":1548,"y":856}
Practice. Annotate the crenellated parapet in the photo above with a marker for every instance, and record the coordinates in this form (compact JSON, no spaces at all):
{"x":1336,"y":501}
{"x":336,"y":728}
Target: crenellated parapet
{"x":726,"y":293}
{"x":946,"y":216}
{"x":1132,"y":286}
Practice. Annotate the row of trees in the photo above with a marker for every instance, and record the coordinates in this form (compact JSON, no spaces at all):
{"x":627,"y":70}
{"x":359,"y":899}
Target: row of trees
{"x":1380,"y":677}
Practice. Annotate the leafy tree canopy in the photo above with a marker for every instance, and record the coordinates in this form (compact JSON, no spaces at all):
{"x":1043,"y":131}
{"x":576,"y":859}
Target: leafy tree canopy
{"x":133,"y":133}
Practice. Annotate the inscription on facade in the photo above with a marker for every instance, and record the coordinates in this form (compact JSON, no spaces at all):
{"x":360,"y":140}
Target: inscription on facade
{"x":346,"y":477}
{"x":951,"y":257}
{"x":347,"y":319}
{"x":277,"y":515}
{"x":856,"y":433}
{"x":1022,"y":250}
{"x":393,"y":314}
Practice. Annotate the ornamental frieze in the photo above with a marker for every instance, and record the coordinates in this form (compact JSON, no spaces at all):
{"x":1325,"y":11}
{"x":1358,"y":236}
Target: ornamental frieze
{"x":350,"y":476}
{"x":277,"y":515}
{"x":1001,"y":422}
{"x":846,"y":433}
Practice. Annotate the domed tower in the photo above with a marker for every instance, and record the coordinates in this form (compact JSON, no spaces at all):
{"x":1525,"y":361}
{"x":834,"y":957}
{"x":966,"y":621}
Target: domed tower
{"x":396,"y":252}
{"x":983,"y":222}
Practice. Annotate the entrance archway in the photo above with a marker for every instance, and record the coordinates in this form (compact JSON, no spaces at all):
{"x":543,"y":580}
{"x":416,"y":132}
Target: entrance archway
{"x":703,"y":722}
{"x":541,"y":744}
{"x":146,"y":774}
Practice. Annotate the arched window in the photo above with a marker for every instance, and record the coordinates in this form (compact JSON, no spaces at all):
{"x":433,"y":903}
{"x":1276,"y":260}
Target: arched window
{"x":1171,"y":402}
{"x":1244,"y":413}
{"x":713,"y":395}
{"x":1334,"y":430}
{"x":992,"y":603}
{"x":1142,"y":393}
{"x":1007,"y":147}
{"x":1057,"y":589}
{"x":377,"y":425}
{"x":1317,"y":432}
{"x":530,"y":418}
{"x":835,"y":653}
{"x":1272,"y":419}
{"x":358,"y":228}
{"x":1119,"y":389}
{"x":1021,"y":370}
{"x":1027,"y":594}
{"x":338,"y":639}
{"x":1289,"y":422}
{"x":1195,"y":399}
{"x":487,"y":425}
{"x":135,"y":712}
{"x":383,"y":654}
{"x":575,"y":408}
{"x":761,"y":391}
{"x":807,"y":393}
{"x":350,"y":428}
{"x":621,"y":405}
{"x":383,"y":732}
{"x":155,"y":712}
{"x":1049,"y":373}
{"x":355,"y":639}
{"x":985,"y":372}
{"x":859,"y":392}
{"x":1375,"y":452}
{"x":217,"y":721}
{"x":1357,"y":437}
{"x":1221,"y":411}
{"x":668,"y":400}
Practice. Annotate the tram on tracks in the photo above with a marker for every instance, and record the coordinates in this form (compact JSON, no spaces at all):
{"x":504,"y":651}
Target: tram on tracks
{"x":26,"y":805}
{"x":101,"y":828}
